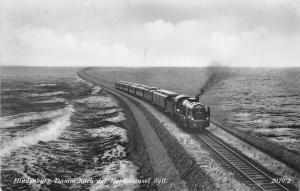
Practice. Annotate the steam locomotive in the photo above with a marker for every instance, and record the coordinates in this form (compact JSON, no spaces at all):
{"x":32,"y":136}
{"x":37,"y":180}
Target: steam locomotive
{"x":187,"y":111}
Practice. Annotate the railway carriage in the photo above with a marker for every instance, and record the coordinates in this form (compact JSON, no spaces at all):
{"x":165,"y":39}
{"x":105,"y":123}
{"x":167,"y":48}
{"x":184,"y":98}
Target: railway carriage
{"x":139,"y":92}
{"x":163,"y":99}
{"x":118,"y":85}
{"x":148,"y":95}
{"x":132,"y":88}
{"x":122,"y":85}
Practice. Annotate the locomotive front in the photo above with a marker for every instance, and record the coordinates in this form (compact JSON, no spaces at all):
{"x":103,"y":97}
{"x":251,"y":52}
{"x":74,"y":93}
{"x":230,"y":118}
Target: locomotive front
{"x":197,"y":115}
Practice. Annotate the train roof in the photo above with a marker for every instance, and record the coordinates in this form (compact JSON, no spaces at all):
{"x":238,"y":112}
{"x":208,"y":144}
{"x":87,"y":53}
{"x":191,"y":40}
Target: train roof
{"x":122,"y":82}
{"x":134,"y":85}
{"x":141,"y":87}
{"x":148,"y":87}
{"x":166,"y":92}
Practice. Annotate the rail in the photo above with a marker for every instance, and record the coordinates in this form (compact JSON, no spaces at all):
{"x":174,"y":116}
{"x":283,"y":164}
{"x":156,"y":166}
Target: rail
{"x":240,"y":165}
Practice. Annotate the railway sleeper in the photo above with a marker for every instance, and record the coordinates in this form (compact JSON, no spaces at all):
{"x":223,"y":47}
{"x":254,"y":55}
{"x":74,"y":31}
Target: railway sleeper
{"x":257,"y":177}
{"x":250,"y":171}
{"x":266,"y":183}
{"x":244,"y":168}
{"x":242,"y":165}
{"x":232,"y":158}
{"x":223,"y":152}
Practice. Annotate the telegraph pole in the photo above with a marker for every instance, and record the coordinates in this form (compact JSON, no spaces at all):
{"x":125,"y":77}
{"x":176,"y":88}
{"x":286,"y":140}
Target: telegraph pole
{"x":145,"y":54}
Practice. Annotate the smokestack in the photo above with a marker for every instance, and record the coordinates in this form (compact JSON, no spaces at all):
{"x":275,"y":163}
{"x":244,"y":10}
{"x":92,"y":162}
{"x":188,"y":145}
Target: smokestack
{"x":198,"y":95}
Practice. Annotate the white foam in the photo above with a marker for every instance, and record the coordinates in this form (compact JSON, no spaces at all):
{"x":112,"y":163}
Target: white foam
{"x":120,"y":117}
{"x":15,"y":120}
{"x":54,"y":100}
{"x":120,"y":170}
{"x":116,"y":152}
{"x":263,"y":122}
{"x":45,"y":84}
{"x":285,"y":141}
{"x":279,"y":133}
{"x":276,"y":130}
{"x":12,"y":89}
{"x":109,"y":131}
{"x":99,"y":101}
{"x":108,"y":111}
{"x":242,"y":115}
{"x":49,"y":94}
{"x":96,"y":90}
{"x":50,"y":131}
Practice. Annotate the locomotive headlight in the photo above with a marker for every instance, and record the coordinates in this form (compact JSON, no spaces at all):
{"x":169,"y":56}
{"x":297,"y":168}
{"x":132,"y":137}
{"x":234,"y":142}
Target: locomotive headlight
{"x":207,"y":118}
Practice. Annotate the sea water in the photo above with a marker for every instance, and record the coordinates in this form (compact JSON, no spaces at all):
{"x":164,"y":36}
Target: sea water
{"x":59,"y":132}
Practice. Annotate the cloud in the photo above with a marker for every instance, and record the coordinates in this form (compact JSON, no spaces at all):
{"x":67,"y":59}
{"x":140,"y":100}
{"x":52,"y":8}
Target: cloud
{"x":42,"y":46}
{"x":44,"y":38}
{"x":116,"y":33}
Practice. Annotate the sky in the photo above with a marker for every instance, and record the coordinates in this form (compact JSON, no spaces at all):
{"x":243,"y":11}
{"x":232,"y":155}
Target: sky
{"x":196,"y":33}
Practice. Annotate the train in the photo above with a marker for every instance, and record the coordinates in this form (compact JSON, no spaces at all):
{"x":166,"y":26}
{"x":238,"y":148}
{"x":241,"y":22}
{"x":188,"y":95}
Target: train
{"x":185,"y":110}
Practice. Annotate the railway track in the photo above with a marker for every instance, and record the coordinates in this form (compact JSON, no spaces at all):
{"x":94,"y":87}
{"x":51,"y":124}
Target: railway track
{"x":239,"y":165}
{"x":250,"y":174}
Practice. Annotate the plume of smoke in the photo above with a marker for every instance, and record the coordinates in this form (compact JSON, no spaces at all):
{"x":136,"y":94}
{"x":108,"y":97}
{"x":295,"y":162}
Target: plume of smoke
{"x":216,"y":73}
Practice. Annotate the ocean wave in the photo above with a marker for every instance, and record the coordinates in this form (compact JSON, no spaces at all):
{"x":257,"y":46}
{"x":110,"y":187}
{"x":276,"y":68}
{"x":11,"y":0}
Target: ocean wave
{"x":279,"y":131}
{"x":263,"y":122}
{"x":54,"y":100}
{"x":117,"y":152}
{"x":13,"y":89}
{"x":115,"y":167}
{"x":49,"y":94}
{"x":45,"y":85}
{"x":15,"y":120}
{"x":289,"y":142}
{"x":96,"y":90}
{"x":109,"y":131}
{"x":120,"y":117}
{"x":108,"y":111}
{"x":242,"y":115}
{"x":117,"y":171}
{"x":99,"y":101}
{"x":45,"y":133}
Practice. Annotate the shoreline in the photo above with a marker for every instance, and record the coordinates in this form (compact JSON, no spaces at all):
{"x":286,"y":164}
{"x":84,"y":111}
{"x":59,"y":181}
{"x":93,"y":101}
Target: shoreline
{"x":136,"y":149}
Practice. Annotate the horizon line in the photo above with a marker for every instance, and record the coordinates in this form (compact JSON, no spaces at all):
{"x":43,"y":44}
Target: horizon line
{"x":221,"y":66}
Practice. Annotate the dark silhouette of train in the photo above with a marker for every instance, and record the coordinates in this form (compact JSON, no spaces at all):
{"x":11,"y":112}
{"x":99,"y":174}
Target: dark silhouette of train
{"x":187,"y":111}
